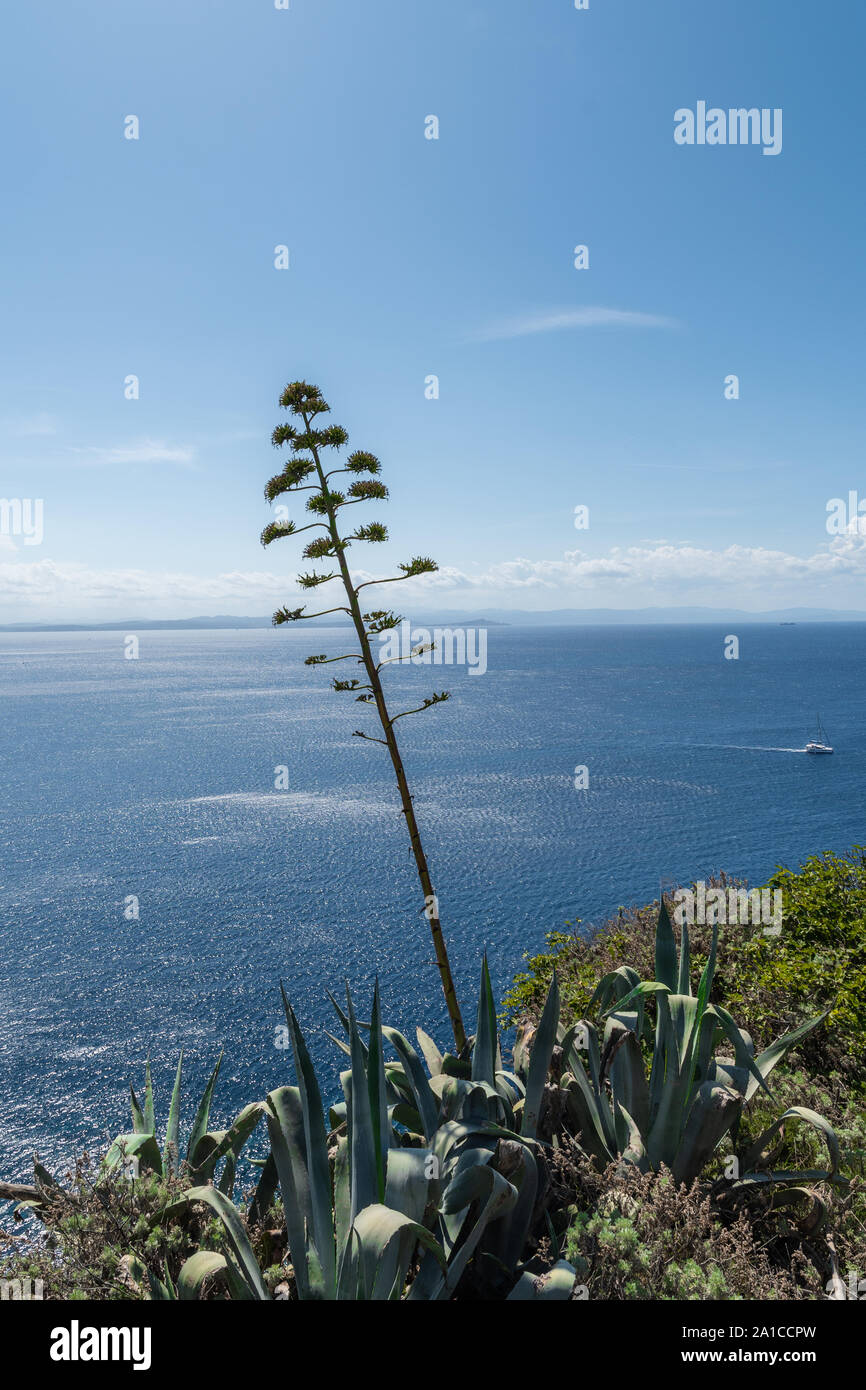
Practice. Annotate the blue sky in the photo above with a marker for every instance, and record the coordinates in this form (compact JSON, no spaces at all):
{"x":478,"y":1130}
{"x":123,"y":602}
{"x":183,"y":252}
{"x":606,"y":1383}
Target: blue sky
{"x":412,"y":257}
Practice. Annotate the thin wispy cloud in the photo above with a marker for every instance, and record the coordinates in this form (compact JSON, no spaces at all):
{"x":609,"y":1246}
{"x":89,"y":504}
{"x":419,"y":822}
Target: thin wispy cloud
{"x":556,"y":320}
{"x":147,"y":451}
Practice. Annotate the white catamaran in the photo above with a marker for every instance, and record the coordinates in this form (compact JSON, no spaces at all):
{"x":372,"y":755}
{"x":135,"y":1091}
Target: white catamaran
{"x":820,"y":743}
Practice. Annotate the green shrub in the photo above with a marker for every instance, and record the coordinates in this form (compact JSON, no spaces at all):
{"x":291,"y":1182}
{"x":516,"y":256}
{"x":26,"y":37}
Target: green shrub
{"x":817,"y":962}
{"x":94,"y":1226}
{"x":641,"y":1236}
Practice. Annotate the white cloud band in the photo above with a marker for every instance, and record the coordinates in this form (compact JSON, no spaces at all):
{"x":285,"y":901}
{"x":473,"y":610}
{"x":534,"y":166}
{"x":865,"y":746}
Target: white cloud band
{"x":630,"y":571}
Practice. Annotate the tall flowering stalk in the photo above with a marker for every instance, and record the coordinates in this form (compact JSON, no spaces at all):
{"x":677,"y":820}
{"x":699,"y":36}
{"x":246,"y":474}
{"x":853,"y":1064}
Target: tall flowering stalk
{"x":305,"y":472}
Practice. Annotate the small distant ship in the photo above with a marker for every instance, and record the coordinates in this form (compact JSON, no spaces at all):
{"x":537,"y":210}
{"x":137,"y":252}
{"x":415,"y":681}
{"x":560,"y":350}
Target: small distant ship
{"x":820,"y":743}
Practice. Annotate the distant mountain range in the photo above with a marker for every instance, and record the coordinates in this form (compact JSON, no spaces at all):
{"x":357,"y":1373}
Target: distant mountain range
{"x":496,"y":617}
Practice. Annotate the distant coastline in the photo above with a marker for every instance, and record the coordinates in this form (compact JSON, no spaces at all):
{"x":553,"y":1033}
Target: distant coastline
{"x":497,"y":617}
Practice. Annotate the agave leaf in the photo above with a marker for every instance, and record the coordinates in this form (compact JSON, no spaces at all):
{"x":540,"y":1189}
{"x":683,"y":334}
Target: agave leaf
{"x":685,"y":1017}
{"x":712,"y":1114}
{"x":399,"y":1087}
{"x":628,"y":1080}
{"x":162,"y":1290}
{"x":629,"y":1138}
{"x":202,"y":1115}
{"x":702,"y":1059}
{"x":383,"y":1134}
{"x":539,"y":1060}
{"x":228,"y":1142}
{"x":629,"y":1018}
{"x":407,"y":1191}
{"x":349,"y":1277}
{"x":315,"y":1150}
{"x":204,"y":1148}
{"x":204,"y":1264}
{"x":795,"y":1112}
{"x":142,"y":1147}
{"x":568,"y":1044}
{"x":226,"y":1183}
{"x":594,"y":1072}
{"x":149,"y":1121}
{"x":457,"y":1066}
{"x":658,"y":1065}
{"x":767,"y":1059}
{"x":138,"y":1124}
{"x":480,"y":1103}
{"x":669,"y":1081}
{"x":425,"y":1101}
{"x":454,"y":1134}
{"x":285,"y":1122}
{"x":376,"y":1229}
{"x":582,"y":1038}
{"x":727,"y":1073}
{"x":245,"y":1260}
{"x":455,"y":1160}
{"x":449,"y":1093}
{"x":506,"y":1237}
{"x":666,"y":949}
{"x":638,"y":995}
{"x":150,"y":1285}
{"x":709,"y":970}
{"x":408,"y":1185}
{"x":781,"y":1177}
{"x":342,"y":1197}
{"x":614,"y":986}
{"x":407,"y":1116}
{"x":743,"y":1052}
{"x":819,"y":1211}
{"x":480,"y":1183}
{"x":135,"y":1268}
{"x":479,"y":1152}
{"x":582,"y":1112}
{"x":239,"y":1289}
{"x":555,"y":1285}
{"x":344,"y":1047}
{"x":509,"y":1087}
{"x":340,"y":1012}
{"x":364,"y":1161}
{"x":683,"y":981}
{"x":430,"y":1052}
{"x":171,"y":1152}
{"x":266,"y":1189}
{"x":484,"y":1051}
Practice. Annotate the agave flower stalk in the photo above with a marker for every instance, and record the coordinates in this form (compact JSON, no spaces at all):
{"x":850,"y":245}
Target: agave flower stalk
{"x":307,"y":445}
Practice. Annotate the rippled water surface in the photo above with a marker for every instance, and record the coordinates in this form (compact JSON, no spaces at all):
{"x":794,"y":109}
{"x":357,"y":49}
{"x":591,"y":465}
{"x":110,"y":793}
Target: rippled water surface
{"x":155,"y":778}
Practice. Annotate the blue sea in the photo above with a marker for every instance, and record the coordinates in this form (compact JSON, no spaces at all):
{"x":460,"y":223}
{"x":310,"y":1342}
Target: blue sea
{"x":154,"y":779}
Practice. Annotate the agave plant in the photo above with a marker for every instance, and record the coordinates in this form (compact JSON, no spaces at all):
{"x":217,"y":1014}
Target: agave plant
{"x":479,"y":1121}
{"x":420,"y":1176}
{"x":205,"y":1148}
{"x":692,"y":1099}
{"x":139,"y":1152}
